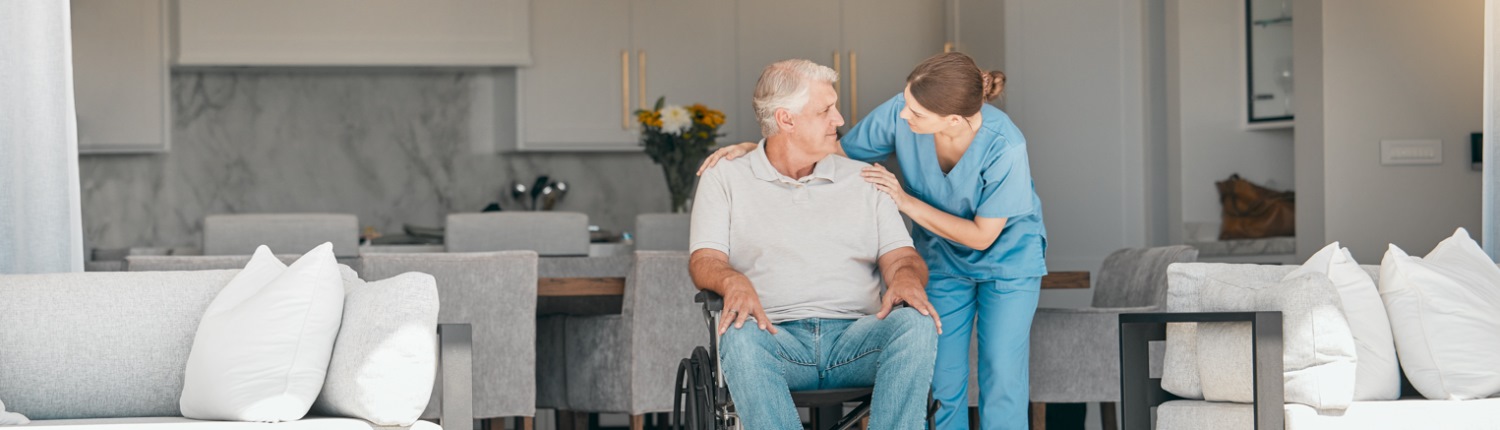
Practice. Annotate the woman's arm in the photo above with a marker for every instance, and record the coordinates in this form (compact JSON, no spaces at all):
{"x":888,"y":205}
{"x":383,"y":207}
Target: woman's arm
{"x":978,"y":233}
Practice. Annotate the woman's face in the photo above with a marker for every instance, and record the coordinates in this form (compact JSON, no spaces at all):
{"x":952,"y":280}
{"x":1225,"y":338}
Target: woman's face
{"x":921,"y":120}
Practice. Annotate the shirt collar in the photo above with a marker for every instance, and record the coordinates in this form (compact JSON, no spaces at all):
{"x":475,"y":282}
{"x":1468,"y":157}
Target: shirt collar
{"x":760,"y":164}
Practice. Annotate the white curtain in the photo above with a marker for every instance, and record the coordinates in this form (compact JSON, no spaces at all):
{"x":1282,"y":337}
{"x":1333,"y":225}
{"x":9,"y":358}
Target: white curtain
{"x":40,"y":225}
{"x":1489,"y":227}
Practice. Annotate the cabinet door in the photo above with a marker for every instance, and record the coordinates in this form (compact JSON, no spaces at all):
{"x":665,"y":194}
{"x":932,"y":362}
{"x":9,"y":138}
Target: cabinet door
{"x":773,"y":30}
{"x":884,"y":40}
{"x":120,"y":75}
{"x":576,"y":94}
{"x":352,"y":32}
{"x":685,"y":51}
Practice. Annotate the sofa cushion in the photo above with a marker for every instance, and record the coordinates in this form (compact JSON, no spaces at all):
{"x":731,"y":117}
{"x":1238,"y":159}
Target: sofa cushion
{"x":1318,"y":349}
{"x":1445,"y":313}
{"x":385,"y":358}
{"x":1371,"y":415}
{"x":180,"y":423}
{"x":1378,"y":376}
{"x":84,"y":345}
{"x":263,"y":346}
{"x":1180,"y":367}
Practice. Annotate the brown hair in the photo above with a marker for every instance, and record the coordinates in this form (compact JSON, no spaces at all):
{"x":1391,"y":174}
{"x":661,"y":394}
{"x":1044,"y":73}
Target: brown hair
{"x":951,"y":84}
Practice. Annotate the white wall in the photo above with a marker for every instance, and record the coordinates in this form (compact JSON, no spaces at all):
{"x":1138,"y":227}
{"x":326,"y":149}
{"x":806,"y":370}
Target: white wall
{"x":1397,"y":69}
{"x":1206,"y":83}
{"x":1075,"y":90}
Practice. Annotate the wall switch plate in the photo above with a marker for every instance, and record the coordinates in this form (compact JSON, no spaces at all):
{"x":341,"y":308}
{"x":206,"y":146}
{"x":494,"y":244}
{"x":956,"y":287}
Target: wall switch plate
{"x":1409,"y":152}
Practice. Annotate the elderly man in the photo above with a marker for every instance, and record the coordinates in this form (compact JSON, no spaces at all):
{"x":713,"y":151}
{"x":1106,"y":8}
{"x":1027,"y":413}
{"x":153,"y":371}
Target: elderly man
{"x":799,"y":244}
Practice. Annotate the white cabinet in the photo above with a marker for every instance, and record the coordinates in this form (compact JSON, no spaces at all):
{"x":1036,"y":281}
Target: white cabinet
{"x":595,"y":62}
{"x":120,"y":75}
{"x":353,"y":32}
{"x":874,"y":44}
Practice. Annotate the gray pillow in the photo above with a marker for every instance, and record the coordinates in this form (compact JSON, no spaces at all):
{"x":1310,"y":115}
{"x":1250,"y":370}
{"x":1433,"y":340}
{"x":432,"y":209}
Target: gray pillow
{"x":385,"y":358}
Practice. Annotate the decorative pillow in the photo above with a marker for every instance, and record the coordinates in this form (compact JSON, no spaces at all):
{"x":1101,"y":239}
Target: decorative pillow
{"x":1318,"y":349}
{"x":11,"y":418}
{"x":385,"y":359}
{"x":263,"y":346}
{"x":1378,"y":376}
{"x":1445,"y":315}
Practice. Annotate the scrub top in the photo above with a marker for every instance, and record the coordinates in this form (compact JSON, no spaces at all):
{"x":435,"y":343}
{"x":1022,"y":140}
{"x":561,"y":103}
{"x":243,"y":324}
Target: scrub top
{"x":991,"y":180}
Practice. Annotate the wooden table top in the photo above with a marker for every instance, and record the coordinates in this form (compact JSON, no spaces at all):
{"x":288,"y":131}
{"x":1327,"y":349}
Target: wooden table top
{"x":615,"y":286}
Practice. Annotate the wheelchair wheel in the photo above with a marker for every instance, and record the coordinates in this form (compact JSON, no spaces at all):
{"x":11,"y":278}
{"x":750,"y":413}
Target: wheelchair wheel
{"x":696,"y":403}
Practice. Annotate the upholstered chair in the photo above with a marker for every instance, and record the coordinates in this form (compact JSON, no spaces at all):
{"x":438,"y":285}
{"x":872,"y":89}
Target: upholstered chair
{"x":627,"y":363}
{"x":284,"y":233}
{"x":495,"y":292}
{"x":662,"y":231}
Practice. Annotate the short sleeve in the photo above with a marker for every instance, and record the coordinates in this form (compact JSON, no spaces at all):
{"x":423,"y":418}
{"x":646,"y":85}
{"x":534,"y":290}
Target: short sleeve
{"x":710,"y":218}
{"x":891,"y":228}
{"x":873,"y":138}
{"x":1007,"y":190}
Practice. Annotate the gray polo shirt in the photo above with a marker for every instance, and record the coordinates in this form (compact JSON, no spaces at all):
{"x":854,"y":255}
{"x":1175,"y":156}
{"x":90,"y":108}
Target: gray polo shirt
{"x":810,"y":246}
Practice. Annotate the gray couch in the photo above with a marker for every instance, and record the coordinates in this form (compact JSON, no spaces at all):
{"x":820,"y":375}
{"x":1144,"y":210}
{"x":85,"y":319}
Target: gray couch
{"x":90,"y":349}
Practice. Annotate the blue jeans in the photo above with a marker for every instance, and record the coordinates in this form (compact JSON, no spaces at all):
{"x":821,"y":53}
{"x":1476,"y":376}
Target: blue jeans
{"x":895,"y":355}
{"x":1004,"y":309}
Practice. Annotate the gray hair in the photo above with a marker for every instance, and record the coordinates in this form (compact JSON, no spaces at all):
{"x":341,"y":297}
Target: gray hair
{"x":786,"y":85}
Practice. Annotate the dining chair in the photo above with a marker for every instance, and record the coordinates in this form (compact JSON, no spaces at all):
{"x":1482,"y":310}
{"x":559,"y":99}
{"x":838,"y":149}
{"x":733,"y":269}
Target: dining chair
{"x":662,"y":231}
{"x":284,"y":233}
{"x":550,"y":234}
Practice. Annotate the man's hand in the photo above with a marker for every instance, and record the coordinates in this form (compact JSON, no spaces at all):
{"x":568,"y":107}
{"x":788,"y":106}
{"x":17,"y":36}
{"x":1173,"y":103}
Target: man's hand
{"x":741,"y":303}
{"x":711,"y":271}
{"x":906,"y":281}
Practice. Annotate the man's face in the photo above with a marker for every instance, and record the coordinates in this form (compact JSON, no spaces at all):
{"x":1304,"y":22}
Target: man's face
{"x":816,"y":127}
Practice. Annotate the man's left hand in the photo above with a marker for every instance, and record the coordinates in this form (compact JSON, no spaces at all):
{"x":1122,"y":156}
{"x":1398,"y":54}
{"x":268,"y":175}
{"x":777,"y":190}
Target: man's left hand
{"x":913,"y":295}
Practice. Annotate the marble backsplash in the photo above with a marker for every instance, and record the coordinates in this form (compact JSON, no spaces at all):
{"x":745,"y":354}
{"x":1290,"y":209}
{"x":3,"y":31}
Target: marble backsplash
{"x":390,"y":146}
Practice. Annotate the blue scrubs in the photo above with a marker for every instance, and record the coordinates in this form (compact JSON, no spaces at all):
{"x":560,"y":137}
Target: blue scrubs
{"x":1000,"y":284}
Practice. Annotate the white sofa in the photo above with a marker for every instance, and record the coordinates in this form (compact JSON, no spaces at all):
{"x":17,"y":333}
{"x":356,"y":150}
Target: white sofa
{"x":1146,"y":405}
{"x":90,"y":349}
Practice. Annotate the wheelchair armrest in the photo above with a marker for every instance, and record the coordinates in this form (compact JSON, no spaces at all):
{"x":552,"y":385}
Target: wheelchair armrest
{"x":711,"y":301}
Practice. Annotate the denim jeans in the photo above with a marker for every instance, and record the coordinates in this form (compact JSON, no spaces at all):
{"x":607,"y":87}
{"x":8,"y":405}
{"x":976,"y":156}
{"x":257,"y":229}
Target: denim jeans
{"x":895,"y":355}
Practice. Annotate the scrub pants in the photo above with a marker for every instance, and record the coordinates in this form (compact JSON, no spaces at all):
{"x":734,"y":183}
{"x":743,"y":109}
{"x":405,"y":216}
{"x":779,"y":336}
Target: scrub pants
{"x":1005,"y":309}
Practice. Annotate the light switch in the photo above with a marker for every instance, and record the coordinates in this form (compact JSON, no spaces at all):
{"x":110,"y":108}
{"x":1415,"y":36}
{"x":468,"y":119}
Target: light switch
{"x":1406,"y":152}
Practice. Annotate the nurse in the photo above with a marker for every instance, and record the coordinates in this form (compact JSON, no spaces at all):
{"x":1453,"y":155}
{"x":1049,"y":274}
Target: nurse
{"x":978,"y":226}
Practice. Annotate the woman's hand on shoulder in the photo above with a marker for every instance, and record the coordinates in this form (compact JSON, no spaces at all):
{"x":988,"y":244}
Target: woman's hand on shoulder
{"x":726,"y":153}
{"x":886,"y":182}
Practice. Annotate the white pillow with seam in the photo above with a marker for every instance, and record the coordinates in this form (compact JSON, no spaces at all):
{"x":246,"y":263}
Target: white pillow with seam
{"x":262,"y":349}
{"x":385,"y":359}
{"x":1445,"y":317}
{"x":1379,"y":375}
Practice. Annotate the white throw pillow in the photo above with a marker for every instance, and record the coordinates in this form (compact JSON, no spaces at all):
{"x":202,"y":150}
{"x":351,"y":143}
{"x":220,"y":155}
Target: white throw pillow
{"x":1445,"y":315}
{"x":385,"y":359}
{"x":1379,"y":375}
{"x":1317,"y":348}
{"x":262,"y":349}
{"x":11,"y":418}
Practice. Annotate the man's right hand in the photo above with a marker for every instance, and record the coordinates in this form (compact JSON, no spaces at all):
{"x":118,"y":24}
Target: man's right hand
{"x":741,"y":303}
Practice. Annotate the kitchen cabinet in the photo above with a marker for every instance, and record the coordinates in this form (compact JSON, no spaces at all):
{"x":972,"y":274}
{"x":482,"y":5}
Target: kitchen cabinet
{"x":874,"y":44}
{"x":596,"y":62}
{"x":120,"y":75}
{"x":353,"y":33}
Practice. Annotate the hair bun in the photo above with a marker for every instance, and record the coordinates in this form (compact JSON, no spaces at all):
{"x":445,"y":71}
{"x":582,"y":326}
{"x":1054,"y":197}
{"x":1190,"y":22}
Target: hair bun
{"x":994,"y":84}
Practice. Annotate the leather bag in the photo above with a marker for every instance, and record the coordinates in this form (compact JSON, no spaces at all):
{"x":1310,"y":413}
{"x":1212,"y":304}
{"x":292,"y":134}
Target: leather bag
{"x":1252,"y":211}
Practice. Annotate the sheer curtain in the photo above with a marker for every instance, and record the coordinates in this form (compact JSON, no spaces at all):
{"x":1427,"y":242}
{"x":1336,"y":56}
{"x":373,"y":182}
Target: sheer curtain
{"x":41,"y":229}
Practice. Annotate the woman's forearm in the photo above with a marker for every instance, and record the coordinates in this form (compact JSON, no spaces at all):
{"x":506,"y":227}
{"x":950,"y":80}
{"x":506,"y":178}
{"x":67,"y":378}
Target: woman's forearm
{"x":978,"y":233}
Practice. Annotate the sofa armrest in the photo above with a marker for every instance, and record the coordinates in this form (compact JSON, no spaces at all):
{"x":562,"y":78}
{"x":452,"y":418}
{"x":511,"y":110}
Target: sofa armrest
{"x":456,"y":370}
{"x":1139,"y":392}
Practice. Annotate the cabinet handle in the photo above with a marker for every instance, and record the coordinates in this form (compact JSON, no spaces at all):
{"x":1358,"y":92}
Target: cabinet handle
{"x":838,"y":70}
{"x":641,"y":79}
{"x":947,"y":47}
{"x":625,"y":89}
{"x":853,"y":86}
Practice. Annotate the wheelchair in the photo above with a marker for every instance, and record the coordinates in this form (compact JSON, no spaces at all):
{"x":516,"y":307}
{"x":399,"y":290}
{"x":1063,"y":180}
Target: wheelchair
{"x":701,"y":399}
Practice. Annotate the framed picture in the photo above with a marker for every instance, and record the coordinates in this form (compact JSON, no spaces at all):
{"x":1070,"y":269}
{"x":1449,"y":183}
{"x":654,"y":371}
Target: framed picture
{"x":1268,"y":63}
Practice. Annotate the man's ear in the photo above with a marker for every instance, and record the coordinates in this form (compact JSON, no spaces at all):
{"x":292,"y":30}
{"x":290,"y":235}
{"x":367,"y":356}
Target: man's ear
{"x":784,"y":119}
